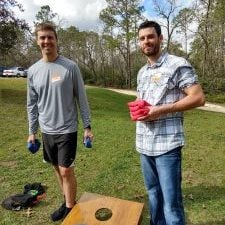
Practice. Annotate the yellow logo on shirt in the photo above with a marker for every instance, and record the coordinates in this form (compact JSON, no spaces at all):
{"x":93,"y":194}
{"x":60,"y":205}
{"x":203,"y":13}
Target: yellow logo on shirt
{"x":156,"y":77}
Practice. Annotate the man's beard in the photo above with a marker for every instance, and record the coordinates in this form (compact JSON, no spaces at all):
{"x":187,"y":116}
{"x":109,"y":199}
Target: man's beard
{"x":152,"y":52}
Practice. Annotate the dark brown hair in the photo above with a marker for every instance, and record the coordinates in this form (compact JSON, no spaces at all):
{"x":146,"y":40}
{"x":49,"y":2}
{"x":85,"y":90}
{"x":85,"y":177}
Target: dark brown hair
{"x":147,"y":24}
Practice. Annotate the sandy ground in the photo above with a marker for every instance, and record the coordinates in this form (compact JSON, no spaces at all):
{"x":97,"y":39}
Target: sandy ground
{"x":208,"y":106}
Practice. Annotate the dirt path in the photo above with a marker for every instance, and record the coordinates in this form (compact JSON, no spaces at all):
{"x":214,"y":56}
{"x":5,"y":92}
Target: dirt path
{"x":208,"y":106}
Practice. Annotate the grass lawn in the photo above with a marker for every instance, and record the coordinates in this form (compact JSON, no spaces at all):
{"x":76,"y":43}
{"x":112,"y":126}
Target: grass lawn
{"x":112,"y":166}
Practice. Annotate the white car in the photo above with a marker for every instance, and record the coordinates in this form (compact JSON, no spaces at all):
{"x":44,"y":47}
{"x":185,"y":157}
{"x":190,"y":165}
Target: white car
{"x":14,"y":72}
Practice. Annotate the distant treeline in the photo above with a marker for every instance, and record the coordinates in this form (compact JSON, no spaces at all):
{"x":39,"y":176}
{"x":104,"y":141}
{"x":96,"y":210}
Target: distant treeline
{"x":112,"y":57}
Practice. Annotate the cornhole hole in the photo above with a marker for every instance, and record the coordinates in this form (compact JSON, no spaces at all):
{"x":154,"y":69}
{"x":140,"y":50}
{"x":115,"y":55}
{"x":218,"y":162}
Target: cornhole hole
{"x":95,"y":209}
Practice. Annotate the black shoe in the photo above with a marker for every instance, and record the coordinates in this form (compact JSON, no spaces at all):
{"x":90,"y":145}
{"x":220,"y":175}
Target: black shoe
{"x":59,"y":213}
{"x":66,"y":212}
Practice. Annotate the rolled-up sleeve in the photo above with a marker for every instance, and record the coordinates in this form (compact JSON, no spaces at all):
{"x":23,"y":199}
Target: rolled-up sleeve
{"x":186,"y":77}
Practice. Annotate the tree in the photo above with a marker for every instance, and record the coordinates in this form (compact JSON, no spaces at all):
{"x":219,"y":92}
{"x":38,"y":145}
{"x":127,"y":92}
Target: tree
{"x":167,"y":10}
{"x":45,"y":15}
{"x":220,"y":19}
{"x":120,"y":19}
{"x":176,"y":49}
{"x":9,"y":25}
{"x":208,"y":48}
{"x":69,"y":42}
{"x":183,"y":21}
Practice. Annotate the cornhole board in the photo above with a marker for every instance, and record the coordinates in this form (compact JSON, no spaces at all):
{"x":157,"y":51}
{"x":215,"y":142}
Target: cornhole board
{"x":123,"y":212}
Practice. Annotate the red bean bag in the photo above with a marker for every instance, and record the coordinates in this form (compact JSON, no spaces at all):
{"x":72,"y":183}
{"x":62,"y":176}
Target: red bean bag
{"x":138,"y":109}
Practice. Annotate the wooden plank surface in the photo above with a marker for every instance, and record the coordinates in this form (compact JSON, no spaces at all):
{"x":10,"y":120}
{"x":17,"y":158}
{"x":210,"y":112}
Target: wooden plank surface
{"x":123,"y":212}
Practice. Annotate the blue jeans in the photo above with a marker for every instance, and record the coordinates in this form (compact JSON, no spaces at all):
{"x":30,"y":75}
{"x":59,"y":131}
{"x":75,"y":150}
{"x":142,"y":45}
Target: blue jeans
{"x":162,"y":177}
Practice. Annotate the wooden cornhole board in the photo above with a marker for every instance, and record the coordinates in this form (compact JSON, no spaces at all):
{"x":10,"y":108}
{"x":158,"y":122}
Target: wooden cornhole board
{"x":123,"y":212}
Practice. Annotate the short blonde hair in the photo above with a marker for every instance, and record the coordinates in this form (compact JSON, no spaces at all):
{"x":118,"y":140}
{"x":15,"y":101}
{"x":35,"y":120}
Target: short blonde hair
{"x":45,"y":26}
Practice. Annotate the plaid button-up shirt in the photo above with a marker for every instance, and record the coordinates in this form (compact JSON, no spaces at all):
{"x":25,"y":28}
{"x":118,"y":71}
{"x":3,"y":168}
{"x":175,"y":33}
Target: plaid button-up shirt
{"x":163,"y":83}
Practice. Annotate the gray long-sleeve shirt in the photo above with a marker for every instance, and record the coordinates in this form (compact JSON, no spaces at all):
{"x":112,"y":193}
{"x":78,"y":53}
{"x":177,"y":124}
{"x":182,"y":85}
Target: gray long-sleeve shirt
{"x":54,"y":89}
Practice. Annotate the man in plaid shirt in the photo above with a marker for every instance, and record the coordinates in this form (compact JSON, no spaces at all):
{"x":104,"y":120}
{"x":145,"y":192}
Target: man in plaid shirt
{"x":170,"y":85}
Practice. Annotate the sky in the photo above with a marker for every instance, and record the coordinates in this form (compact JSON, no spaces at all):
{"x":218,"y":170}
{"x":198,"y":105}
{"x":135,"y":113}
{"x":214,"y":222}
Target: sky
{"x":83,"y":14}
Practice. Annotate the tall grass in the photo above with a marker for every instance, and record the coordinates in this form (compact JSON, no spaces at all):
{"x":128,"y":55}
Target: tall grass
{"x":112,"y":166}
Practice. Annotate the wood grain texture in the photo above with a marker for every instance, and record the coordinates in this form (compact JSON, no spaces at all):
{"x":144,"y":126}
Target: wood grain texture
{"x":123,"y":212}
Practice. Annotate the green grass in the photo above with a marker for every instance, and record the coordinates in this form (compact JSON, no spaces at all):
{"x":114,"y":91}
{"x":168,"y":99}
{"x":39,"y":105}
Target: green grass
{"x":218,"y":98}
{"x":112,"y":166}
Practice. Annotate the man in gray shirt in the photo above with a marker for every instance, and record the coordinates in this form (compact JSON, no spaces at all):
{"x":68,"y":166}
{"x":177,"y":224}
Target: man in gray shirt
{"x":55,"y":89}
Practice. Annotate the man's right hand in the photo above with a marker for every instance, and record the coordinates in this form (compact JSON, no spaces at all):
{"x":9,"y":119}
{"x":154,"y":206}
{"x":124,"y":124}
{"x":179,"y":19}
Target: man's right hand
{"x":31,"y":138}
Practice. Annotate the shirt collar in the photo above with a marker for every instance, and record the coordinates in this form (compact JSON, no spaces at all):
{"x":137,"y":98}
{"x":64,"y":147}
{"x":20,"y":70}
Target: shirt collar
{"x":159,"y":61}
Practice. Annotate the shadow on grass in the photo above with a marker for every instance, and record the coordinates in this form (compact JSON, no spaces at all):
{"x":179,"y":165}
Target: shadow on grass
{"x":9,"y":96}
{"x":221,"y":222}
{"x":202,"y":194}
{"x":203,"y":197}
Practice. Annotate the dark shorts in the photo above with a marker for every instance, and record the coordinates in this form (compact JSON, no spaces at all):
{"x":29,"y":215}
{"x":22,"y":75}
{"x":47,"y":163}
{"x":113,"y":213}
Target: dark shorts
{"x":60,"y":149}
